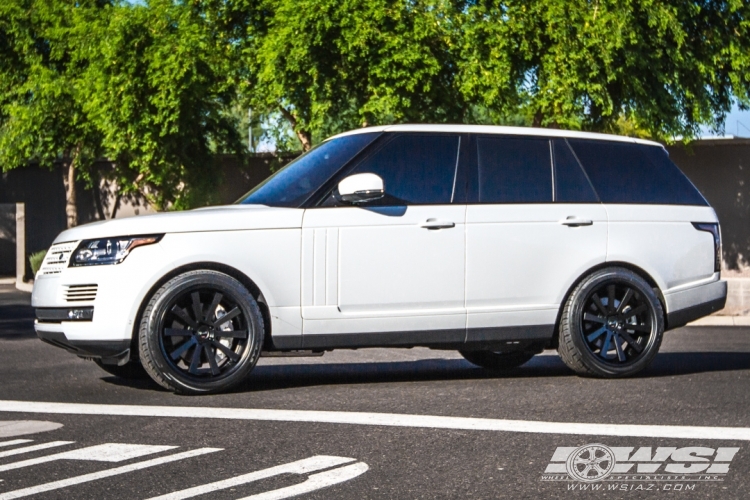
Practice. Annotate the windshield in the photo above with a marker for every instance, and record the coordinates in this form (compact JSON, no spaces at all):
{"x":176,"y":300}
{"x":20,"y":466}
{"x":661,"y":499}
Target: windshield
{"x":295,"y":183}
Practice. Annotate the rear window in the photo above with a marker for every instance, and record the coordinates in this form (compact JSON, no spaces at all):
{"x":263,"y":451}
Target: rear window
{"x":634,"y":173}
{"x":514,"y":170}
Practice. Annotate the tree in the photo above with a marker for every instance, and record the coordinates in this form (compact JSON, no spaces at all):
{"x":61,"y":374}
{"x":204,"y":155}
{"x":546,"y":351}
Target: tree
{"x":160,"y":91}
{"x":331,"y":65}
{"x":662,"y":67}
{"x":41,"y":114}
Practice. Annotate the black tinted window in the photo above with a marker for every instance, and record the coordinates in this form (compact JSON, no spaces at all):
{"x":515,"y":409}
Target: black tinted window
{"x":514,"y":170}
{"x":415,"y":168}
{"x":571,"y":184}
{"x":293,"y":184}
{"x":634,"y":173}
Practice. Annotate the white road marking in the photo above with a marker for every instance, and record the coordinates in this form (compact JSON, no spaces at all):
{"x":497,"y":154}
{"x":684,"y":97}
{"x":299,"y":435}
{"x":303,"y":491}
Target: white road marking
{"x":386,"y":419}
{"x":36,"y":447}
{"x":108,"y":452}
{"x":14,"y":442}
{"x":305,"y":466}
{"x":54,"y":485}
{"x":314,"y":482}
{"x":12,"y":428}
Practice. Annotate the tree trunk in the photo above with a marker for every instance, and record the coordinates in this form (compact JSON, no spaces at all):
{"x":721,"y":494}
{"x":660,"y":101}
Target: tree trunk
{"x":69,"y":180}
{"x":303,"y":135}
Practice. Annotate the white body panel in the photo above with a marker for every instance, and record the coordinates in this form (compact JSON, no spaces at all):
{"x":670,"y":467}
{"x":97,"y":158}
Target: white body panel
{"x":363,"y":267}
{"x":662,"y":241}
{"x":522,"y":258}
{"x":123,"y":287}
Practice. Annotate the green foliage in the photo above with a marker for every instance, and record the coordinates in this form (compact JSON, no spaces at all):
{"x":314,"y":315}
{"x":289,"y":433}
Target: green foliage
{"x":162,"y":87}
{"x":665,"y":67}
{"x":41,"y":115}
{"x":159,"y":93}
{"x":331,"y":65}
{"x":36,"y":259}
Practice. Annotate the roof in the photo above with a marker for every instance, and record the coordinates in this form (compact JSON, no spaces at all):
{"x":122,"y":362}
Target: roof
{"x":494,"y":129}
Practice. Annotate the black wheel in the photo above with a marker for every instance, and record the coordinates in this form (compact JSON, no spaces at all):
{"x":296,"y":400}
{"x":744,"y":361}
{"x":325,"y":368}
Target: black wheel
{"x":612,"y":325}
{"x":200,"y":333}
{"x":131,"y":370}
{"x":497,"y":361}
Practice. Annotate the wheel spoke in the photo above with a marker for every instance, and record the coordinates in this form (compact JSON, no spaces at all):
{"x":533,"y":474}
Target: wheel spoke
{"x":180,"y":313}
{"x":596,"y":319}
{"x":632,"y":343}
{"x":625,"y":300}
{"x":197,"y":307}
{"x":234,"y":334}
{"x":212,"y":308}
{"x":211,"y":354}
{"x":177,"y":332}
{"x":593,"y":336}
{"x":228,"y":316}
{"x":184,"y":347}
{"x":635,"y":312}
{"x":227,"y":351}
{"x":618,"y":348}
{"x":598,"y":303}
{"x":605,"y":348}
{"x":196,"y":361}
{"x":611,"y":298}
{"x":637,"y":328}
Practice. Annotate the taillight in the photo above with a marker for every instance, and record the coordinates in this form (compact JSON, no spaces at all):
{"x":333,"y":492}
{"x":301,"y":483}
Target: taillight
{"x":713,"y":228}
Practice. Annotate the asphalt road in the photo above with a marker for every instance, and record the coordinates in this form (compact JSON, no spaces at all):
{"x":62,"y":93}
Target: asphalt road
{"x":700,"y":379}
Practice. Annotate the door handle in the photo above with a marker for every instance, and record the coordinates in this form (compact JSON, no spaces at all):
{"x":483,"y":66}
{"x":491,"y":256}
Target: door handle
{"x":437,"y":224}
{"x":574,"y":221}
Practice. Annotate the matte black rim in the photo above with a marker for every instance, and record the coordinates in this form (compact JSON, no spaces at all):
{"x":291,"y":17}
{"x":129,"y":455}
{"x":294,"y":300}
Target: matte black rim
{"x":617,"y":323}
{"x":204,"y":334}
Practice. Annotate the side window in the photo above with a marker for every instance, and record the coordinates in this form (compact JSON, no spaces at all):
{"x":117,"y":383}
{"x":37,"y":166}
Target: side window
{"x":417,"y":169}
{"x":634,"y":173}
{"x":514,"y":170}
{"x":571,"y":184}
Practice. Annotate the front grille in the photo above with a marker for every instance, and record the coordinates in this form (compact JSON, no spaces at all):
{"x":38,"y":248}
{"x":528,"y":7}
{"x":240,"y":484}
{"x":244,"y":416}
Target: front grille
{"x":57,"y":258}
{"x":80,"y":293}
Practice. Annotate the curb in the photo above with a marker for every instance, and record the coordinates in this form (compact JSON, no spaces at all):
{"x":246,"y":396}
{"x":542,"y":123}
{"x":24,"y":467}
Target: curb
{"x":25,"y":287}
{"x":722,"y":321}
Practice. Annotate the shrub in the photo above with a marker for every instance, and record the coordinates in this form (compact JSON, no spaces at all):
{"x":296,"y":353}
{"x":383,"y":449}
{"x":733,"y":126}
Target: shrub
{"x":36,"y":259}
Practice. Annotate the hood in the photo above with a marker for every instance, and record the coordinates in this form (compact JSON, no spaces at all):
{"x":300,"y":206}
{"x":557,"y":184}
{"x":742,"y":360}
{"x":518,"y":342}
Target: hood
{"x":224,"y":218}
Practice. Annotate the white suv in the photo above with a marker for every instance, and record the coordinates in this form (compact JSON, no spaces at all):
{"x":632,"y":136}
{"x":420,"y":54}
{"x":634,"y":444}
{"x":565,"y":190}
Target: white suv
{"x":494,"y":241}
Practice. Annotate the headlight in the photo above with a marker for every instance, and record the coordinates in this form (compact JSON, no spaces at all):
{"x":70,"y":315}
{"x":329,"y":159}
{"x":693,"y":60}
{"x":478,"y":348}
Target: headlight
{"x":109,"y":250}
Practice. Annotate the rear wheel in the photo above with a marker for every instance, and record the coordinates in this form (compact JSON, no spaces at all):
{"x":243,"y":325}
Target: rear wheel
{"x":497,"y":361}
{"x":612,"y":325}
{"x":200,"y":333}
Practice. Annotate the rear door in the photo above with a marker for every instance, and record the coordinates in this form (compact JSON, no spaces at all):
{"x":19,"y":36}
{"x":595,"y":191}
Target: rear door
{"x":389,"y":271}
{"x":534,"y":225}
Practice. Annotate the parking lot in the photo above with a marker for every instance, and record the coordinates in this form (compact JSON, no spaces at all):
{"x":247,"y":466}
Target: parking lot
{"x":379,"y":423}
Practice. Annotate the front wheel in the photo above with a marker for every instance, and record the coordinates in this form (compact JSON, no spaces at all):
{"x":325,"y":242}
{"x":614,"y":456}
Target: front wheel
{"x":612,"y":325}
{"x":200,"y":333}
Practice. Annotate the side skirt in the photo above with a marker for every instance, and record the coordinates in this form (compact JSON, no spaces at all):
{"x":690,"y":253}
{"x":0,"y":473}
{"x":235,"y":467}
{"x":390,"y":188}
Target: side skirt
{"x":471,"y":339}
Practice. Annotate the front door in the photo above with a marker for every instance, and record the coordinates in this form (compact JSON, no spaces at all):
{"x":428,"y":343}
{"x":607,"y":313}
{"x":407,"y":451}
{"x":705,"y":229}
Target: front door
{"x":389,"y":271}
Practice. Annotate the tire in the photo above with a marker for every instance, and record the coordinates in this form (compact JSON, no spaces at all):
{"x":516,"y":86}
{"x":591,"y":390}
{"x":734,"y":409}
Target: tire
{"x":497,"y":361}
{"x":129,"y":371}
{"x":611,"y":325}
{"x":190,"y":347}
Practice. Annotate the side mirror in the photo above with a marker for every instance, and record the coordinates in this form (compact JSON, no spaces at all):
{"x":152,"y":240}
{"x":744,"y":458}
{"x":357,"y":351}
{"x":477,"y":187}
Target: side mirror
{"x":361,"y":188}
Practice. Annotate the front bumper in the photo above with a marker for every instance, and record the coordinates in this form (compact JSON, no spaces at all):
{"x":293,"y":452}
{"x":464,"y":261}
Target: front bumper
{"x":693,"y":303}
{"x":110,"y":352}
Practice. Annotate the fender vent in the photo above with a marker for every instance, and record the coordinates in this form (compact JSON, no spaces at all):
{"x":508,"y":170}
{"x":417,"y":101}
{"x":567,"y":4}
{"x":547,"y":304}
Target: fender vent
{"x":80,"y":293}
